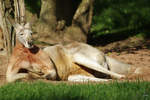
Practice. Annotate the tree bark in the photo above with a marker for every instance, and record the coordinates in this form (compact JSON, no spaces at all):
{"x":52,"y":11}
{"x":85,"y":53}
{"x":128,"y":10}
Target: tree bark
{"x":6,"y":28}
{"x":63,"y":21}
{"x":1,"y":39}
{"x":19,"y":11}
{"x":6,"y":21}
{"x":47,"y":21}
{"x":83,"y":19}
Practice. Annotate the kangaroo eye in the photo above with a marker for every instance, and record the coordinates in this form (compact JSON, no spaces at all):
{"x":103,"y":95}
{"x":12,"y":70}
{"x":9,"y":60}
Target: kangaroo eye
{"x":31,"y":32}
{"x":21,"y":34}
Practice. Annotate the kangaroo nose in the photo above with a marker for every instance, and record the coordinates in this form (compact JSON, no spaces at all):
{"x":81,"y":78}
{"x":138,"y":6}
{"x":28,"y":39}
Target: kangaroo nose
{"x":30,"y":44}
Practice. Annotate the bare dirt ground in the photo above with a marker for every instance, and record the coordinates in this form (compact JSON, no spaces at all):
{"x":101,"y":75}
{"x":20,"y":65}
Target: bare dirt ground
{"x":133,"y":51}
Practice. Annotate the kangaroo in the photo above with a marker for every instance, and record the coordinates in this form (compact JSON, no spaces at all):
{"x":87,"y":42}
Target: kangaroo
{"x":73,"y":62}
{"x":28,"y":58}
{"x":78,"y":61}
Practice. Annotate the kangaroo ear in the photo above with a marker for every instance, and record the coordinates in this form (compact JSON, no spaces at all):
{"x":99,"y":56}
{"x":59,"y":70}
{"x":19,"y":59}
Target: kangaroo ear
{"x":27,"y":25}
{"x":17,"y":27}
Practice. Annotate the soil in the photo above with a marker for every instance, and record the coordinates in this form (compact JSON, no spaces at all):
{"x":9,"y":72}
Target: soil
{"x":134,"y":51}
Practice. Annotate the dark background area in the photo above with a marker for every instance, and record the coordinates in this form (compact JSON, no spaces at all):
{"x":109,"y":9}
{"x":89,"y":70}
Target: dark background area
{"x":113,"y":20}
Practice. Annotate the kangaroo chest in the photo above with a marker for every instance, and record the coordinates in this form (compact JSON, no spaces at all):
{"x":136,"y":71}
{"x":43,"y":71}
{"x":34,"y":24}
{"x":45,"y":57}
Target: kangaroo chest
{"x":28,"y":57}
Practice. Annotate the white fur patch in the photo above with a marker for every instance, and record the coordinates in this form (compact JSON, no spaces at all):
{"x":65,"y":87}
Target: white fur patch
{"x":9,"y":77}
{"x":25,"y":64}
{"x":53,"y":73}
{"x":35,"y":64}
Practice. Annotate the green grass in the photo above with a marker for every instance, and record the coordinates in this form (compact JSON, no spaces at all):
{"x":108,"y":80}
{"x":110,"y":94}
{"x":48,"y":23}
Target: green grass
{"x":46,"y":91}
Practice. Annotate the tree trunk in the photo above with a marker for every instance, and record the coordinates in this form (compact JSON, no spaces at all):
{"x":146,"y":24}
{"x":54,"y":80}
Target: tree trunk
{"x":1,"y":39}
{"x":6,"y":28}
{"x":19,"y":11}
{"x":82,"y":18}
{"x":64,"y":20}
{"x":6,"y":9}
{"x":47,"y":21}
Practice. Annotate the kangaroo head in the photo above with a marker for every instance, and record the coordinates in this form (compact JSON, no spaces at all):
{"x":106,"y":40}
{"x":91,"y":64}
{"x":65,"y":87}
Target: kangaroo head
{"x":24,"y":34}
